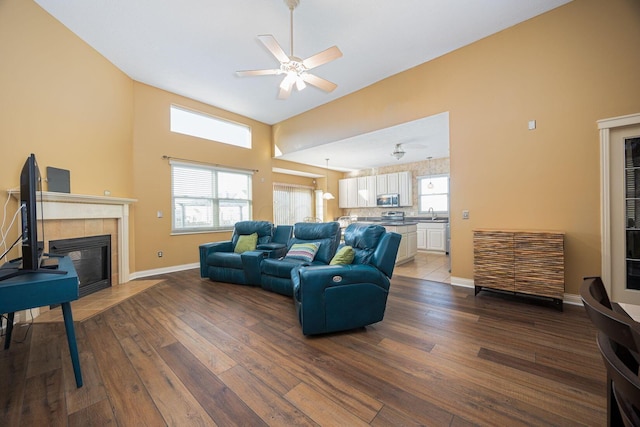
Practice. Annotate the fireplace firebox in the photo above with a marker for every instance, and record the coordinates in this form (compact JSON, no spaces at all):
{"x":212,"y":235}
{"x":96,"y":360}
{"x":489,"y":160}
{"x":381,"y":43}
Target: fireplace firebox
{"x":91,"y":258}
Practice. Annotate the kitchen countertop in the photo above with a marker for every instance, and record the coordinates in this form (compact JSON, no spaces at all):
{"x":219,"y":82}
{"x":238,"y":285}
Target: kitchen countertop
{"x":407,"y":220}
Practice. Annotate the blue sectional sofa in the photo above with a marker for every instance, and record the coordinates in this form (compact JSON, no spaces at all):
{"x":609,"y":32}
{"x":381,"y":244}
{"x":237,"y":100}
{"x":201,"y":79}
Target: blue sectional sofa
{"x":275,"y":274}
{"x":327,"y":298}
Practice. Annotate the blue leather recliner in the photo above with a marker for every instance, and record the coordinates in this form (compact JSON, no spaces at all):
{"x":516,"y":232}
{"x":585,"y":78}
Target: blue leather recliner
{"x":334,"y":298}
{"x":276,"y":273}
{"x":220,"y":263}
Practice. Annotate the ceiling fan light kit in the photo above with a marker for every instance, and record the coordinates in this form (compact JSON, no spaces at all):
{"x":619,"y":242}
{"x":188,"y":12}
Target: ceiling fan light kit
{"x":294,"y":68}
{"x":398,"y":152}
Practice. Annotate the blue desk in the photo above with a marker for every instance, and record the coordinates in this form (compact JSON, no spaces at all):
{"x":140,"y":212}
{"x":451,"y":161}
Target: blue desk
{"x":41,"y":289}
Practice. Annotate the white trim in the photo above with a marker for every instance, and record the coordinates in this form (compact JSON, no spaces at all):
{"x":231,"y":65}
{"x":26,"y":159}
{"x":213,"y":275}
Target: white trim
{"x":462,"y":282}
{"x":616,"y":122}
{"x":572,"y":299}
{"x":163,"y":270}
{"x":605,"y":126}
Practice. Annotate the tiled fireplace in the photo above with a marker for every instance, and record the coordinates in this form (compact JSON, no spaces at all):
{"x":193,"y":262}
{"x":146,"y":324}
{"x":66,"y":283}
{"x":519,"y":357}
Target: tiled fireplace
{"x":68,"y":216}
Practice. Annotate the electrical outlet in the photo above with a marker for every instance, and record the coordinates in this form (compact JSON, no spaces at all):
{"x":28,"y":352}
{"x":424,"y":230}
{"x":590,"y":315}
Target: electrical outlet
{"x":465,"y":214}
{"x":159,"y":254}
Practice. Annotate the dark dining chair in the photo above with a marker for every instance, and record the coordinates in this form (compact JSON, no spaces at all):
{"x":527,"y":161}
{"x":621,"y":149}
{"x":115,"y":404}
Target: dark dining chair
{"x":619,"y":341}
{"x":624,"y":381}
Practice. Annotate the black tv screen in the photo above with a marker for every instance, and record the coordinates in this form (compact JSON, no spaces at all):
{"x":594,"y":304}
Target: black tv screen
{"x":29,"y":185}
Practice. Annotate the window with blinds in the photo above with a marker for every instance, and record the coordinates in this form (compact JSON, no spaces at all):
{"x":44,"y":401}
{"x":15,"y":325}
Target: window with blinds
{"x":208,"y":198}
{"x":291,"y":203}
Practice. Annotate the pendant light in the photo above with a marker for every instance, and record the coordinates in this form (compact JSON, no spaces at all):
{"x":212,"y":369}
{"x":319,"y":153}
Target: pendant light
{"x":328,"y":195}
{"x":430,"y":185}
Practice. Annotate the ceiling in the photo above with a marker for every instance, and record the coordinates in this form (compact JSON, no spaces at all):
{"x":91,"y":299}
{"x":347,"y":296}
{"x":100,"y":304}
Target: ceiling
{"x":193,"y":47}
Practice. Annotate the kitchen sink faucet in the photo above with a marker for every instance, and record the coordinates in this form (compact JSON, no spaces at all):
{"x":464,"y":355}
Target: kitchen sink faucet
{"x":433,"y":214}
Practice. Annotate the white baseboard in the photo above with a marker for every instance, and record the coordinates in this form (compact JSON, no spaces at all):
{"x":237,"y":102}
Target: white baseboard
{"x":462,"y":282}
{"x":164,"y":270}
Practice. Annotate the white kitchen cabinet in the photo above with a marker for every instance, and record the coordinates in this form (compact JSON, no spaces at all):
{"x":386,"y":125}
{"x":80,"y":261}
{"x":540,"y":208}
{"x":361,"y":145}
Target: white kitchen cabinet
{"x":407,"y":249}
{"x":432,"y":236}
{"x":382,"y":184}
{"x":392,"y":183}
{"x":366,"y":191}
{"x":405,"y":188}
{"x":412,"y":244}
{"x":421,"y":238}
{"x":436,"y":239}
{"x":348,"y":193}
{"x":343,"y":194}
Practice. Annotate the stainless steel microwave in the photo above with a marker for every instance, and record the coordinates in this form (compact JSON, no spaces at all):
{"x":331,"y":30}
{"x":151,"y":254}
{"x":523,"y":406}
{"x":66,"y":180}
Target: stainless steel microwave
{"x":388,"y":200}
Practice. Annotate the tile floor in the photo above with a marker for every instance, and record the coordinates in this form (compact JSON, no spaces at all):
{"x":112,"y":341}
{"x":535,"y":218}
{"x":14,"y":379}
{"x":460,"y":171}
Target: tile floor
{"x":427,"y":266}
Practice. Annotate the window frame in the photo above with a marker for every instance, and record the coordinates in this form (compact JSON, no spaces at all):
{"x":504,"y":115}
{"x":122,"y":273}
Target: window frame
{"x":214,"y":198}
{"x":422,"y":181}
{"x":210,"y":127}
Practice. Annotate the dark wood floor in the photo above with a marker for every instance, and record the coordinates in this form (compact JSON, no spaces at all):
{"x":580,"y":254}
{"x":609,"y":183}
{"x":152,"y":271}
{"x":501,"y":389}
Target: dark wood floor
{"x":193,"y":352}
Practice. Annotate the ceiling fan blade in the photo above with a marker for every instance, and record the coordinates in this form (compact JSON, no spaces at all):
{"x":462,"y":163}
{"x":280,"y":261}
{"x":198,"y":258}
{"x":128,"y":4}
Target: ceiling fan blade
{"x":319,"y":82}
{"x":323,"y":57}
{"x":257,"y":72}
{"x":270,"y":42}
{"x":286,"y":86}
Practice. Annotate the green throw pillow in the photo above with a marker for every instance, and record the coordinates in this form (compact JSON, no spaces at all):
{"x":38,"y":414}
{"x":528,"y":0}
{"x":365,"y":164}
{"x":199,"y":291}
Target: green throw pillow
{"x":343,"y":256}
{"x":304,"y":251}
{"x":246,"y":242}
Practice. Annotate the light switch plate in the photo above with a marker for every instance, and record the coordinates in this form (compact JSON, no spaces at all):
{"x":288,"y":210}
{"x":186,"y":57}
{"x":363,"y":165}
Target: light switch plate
{"x":465,"y":214}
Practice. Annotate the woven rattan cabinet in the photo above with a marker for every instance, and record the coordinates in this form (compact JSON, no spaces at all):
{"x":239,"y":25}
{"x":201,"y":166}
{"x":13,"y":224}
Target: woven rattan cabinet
{"x":523,"y":262}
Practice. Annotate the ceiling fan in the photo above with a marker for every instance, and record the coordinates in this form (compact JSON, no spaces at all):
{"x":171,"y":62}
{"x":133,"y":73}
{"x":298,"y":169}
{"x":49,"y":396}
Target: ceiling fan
{"x":294,"y":68}
{"x":398,"y":152}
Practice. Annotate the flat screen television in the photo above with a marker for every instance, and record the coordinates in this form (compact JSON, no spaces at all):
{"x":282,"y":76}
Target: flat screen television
{"x":31,"y":260}
{"x":30,"y":184}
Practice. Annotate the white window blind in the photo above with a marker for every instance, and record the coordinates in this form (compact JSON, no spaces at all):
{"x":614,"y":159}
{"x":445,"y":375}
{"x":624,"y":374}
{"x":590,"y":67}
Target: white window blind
{"x":207,"y":198}
{"x":291,"y":203}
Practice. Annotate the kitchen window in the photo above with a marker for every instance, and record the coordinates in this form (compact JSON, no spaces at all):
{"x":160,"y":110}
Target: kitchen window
{"x":207,"y":198}
{"x":433,"y":192}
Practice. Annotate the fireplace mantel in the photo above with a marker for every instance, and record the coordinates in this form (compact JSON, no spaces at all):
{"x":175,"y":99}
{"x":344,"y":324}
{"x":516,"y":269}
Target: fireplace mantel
{"x":61,"y":206}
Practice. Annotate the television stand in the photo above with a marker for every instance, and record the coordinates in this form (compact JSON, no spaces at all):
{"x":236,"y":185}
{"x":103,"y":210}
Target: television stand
{"x":14,"y":268}
{"x":31,"y":289}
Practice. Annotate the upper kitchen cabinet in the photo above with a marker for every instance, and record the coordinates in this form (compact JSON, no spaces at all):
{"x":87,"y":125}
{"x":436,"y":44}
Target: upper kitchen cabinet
{"x":348,"y":193}
{"x":362,"y":192}
{"x":387,"y":183}
{"x":405,"y":188}
{"x":367,"y":191}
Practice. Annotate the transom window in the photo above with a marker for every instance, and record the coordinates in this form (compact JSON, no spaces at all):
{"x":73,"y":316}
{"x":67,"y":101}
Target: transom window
{"x":433,"y":192}
{"x":207,"y":198}
{"x":205,"y":126}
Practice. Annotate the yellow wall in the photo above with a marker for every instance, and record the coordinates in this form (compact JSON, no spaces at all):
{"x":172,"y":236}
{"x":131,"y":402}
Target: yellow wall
{"x":62,"y":101}
{"x":152,"y":174}
{"x":566,"y":69}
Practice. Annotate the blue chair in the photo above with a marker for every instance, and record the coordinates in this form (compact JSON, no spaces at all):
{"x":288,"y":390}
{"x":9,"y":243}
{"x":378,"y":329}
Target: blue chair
{"x":277,"y":248}
{"x":220,"y":263}
{"x":276,"y":273}
{"x":335,"y":298}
